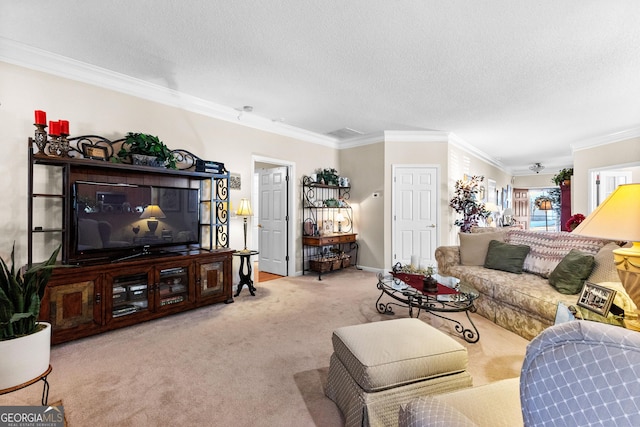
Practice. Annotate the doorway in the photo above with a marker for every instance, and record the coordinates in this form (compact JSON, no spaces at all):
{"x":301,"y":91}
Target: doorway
{"x":602,"y":181}
{"x":415,"y":213}
{"x":273,"y":210}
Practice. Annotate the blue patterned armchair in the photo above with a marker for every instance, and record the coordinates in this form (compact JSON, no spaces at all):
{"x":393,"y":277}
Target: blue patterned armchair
{"x":575,"y":373}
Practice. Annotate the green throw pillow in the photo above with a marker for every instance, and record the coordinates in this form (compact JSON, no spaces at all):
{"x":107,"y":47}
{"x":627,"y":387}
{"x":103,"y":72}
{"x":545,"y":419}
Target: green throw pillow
{"x":506,"y":257}
{"x":570,"y":274}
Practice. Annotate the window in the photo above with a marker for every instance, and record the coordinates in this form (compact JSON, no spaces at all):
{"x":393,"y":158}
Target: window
{"x":540,"y":219}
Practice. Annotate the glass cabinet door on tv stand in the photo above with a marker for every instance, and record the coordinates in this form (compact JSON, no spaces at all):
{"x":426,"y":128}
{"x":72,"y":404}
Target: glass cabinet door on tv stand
{"x":328,"y":238}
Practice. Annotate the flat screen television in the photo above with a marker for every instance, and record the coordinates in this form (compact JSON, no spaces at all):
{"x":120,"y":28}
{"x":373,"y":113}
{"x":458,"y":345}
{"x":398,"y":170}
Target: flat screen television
{"x":121,"y":221}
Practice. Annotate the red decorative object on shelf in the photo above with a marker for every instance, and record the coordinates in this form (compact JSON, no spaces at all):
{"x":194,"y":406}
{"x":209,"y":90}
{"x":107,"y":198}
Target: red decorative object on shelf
{"x":41,"y":117}
{"x":64,"y":127}
{"x":54,"y":128}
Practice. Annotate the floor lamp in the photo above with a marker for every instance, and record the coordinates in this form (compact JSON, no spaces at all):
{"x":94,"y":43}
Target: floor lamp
{"x":545,"y":205}
{"x":245,"y":211}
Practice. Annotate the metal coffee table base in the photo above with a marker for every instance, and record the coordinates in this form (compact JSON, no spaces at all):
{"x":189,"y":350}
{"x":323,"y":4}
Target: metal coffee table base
{"x":417,"y":302}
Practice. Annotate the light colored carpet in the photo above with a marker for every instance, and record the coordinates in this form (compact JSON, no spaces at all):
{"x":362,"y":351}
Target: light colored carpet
{"x":261,"y":361}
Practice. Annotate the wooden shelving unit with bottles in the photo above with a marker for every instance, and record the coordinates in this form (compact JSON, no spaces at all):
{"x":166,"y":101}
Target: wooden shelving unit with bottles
{"x":328,"y":239}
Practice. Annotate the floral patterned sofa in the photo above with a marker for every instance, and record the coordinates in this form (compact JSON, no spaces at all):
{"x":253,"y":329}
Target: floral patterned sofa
{"x":526,"y":303}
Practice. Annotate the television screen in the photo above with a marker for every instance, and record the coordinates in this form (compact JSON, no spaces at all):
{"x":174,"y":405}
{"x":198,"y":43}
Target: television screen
{"x":122,"y":219}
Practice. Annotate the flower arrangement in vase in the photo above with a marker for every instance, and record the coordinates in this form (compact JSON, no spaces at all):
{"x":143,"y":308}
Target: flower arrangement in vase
{"x":467,"y":203}
{"x":574,"y":221}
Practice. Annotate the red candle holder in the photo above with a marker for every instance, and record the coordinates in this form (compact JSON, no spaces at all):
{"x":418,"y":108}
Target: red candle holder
{"x":40,"y":137}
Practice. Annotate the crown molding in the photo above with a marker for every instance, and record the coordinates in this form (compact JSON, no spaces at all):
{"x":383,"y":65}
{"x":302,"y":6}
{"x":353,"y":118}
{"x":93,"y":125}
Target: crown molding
{"x":58,"y":65}
{"x":461,"y":143}
{"x":421,"y":136}
{"x":606,"y":139}
{"x":359,"y":141}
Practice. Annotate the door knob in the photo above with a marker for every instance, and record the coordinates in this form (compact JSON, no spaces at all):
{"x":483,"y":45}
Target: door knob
{"x":431,"y":226}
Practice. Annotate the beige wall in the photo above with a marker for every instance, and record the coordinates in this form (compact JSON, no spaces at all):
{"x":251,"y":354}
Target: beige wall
{"x":363,"y":166}
{"x":539,"y":180}
{"x":604,"y":156}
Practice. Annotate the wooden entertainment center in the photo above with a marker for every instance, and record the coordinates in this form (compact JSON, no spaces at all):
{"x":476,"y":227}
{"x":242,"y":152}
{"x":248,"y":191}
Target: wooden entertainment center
{"x":113,"y":287}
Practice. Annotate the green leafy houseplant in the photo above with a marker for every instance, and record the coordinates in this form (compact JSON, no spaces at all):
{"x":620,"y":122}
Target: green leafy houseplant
{"x":329,"y":175}
{"x":146,"y":145}
{"x":20,"y":296}
{"x":562,"y":176}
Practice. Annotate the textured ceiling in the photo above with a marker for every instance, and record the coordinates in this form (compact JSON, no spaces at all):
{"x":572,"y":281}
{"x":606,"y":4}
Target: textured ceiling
{"x":519,"y":80}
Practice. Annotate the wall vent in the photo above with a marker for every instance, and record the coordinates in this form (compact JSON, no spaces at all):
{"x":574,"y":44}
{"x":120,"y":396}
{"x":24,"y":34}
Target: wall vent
{"x":345,"y":133}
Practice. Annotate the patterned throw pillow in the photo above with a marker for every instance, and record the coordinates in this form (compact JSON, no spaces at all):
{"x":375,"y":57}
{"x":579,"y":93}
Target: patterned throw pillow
{"x":549,"y":248}
{"x":605,"y":270}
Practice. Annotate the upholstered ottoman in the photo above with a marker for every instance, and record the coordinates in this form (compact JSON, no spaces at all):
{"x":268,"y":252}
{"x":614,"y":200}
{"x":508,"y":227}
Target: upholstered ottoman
{"x":376,"y":367}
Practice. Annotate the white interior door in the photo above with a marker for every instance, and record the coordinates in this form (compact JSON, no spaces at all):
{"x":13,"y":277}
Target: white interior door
{"x":272,"y":220}
{"x":415,"y":213}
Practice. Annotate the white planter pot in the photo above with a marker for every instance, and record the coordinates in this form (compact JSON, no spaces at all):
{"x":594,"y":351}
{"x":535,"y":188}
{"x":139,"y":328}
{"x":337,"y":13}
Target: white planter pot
{"x":25,"y":358}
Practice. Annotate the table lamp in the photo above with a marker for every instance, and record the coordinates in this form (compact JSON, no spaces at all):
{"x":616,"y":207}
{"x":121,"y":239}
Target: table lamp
{"x":618,"y":218}
{"x":245,"y":211}
{"x":151,"y":213}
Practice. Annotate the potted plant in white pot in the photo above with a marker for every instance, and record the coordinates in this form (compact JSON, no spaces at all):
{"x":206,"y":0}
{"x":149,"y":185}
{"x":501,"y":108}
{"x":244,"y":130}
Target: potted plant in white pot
{"x":25,"y":343}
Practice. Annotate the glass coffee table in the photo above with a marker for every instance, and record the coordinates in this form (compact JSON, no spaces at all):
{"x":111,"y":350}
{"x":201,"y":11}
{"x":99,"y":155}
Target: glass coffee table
{"x":453,"y":296}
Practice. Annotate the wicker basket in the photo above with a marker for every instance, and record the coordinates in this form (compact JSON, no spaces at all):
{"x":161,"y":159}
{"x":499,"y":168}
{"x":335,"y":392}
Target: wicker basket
{"x":323,"y":264}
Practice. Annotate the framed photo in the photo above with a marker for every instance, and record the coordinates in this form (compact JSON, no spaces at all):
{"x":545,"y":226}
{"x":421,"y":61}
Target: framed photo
{"x":95,"y":152}
{"x":327,"y":226}
{"x":235,"y":183}
{"x":596,"y":298}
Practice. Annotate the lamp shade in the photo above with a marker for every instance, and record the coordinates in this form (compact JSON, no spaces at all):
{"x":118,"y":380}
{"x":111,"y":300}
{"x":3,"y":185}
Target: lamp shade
{"x":152,"y":211}
{"x":245,"y":208}
{"x":545,"y":205}
{"x":616,"y":218}
{"x":339,"y":217}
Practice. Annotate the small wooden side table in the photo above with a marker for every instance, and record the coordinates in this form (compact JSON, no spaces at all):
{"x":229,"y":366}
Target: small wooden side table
{"x":45,"y":391}
{"x":245,"y":272}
